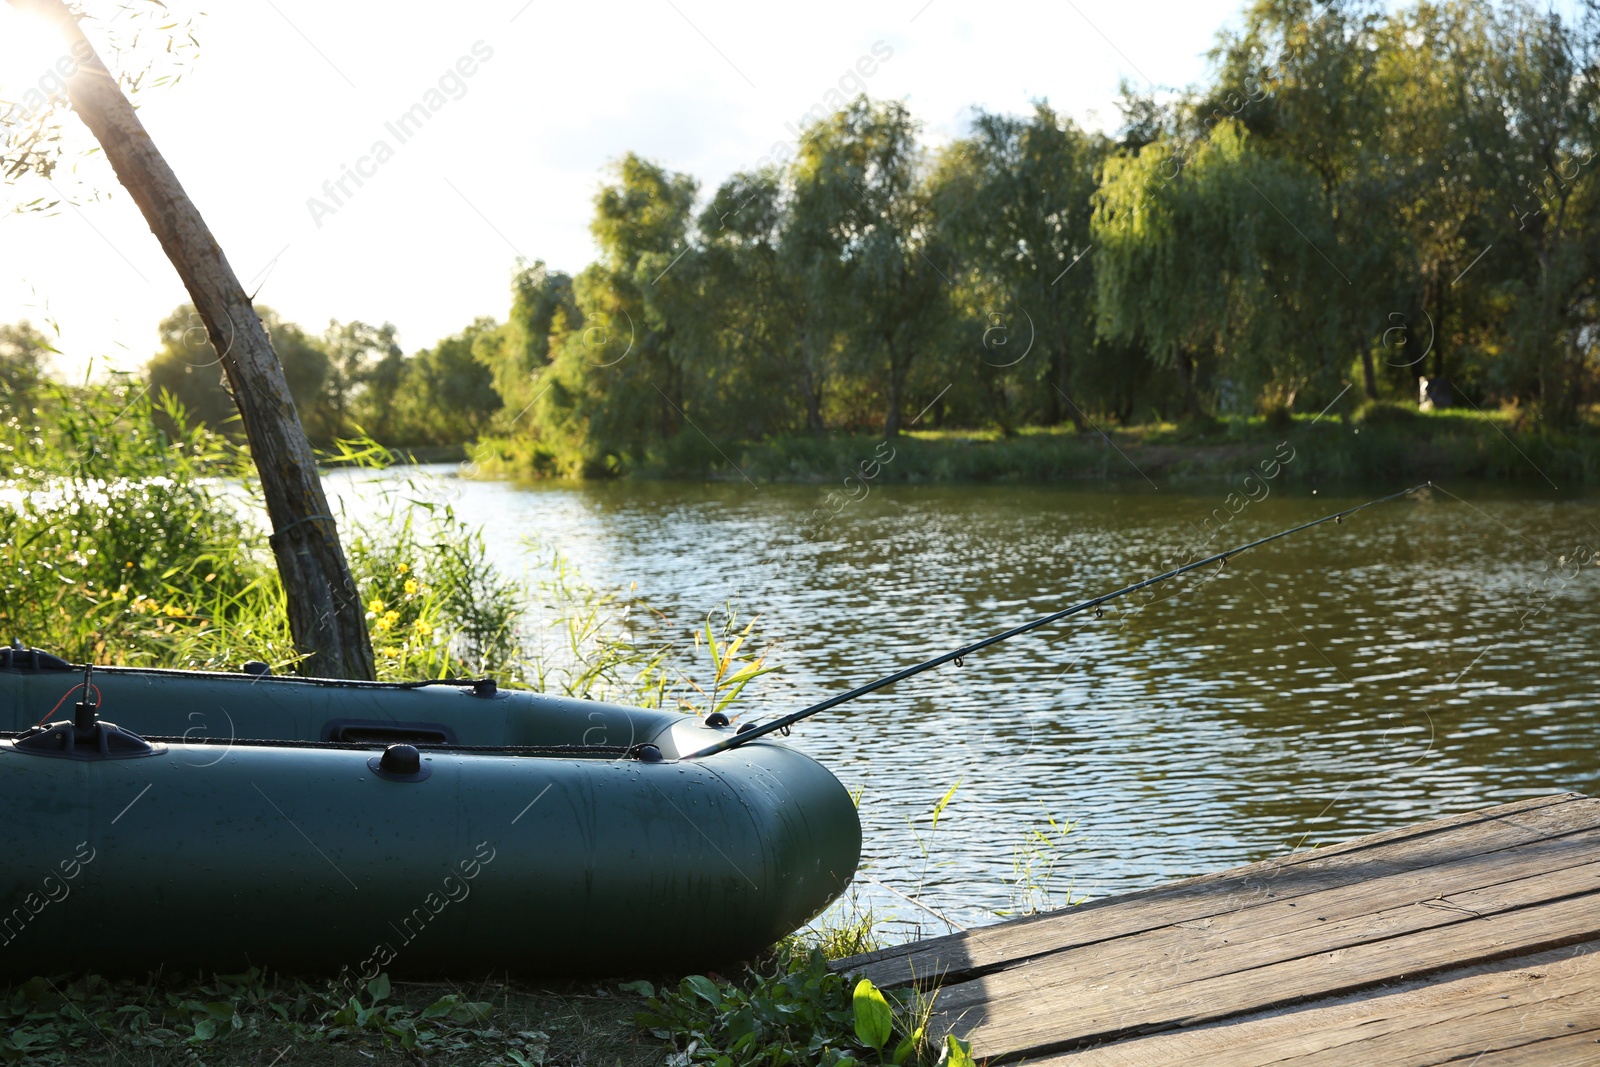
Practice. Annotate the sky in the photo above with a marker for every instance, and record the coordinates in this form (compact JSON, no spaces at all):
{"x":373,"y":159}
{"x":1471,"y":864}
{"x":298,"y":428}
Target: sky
{"x":527,"y":104}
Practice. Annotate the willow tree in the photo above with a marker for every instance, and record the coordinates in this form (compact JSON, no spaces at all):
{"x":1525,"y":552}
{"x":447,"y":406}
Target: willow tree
{"x":1213,"y":268}
{"x":863,"y":232}
{"x":616,"y":384}
{"x":1309,"y":81}
{"x":1014,"y":201}
{"x":761,"y":347}
{"x":326,"y":616}
{"x":1547,"y":76}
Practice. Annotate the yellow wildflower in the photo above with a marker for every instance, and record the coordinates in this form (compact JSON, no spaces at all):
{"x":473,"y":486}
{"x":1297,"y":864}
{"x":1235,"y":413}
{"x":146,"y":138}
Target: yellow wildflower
{"x":173,"y":610}
{"x":376,"y":607}
{"x":422,"y":628}
{"x":403,"y":568}
{"x":386,"y":623}
{"x":411,"y":587}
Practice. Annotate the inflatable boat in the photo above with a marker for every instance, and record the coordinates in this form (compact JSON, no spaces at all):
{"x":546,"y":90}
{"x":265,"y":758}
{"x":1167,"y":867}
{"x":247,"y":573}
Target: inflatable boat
{"x":208,"y":821}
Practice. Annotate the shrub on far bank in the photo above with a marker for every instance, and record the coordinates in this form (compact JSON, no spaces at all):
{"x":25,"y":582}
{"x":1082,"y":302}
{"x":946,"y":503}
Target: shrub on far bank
{"x":1385,"y":413}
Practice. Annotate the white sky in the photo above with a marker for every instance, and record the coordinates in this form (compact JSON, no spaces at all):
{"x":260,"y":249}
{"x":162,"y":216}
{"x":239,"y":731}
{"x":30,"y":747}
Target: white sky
{"x":287,"y":92}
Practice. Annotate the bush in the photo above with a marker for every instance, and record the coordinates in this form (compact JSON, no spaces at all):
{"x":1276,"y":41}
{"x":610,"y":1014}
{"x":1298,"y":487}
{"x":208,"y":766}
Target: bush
{"x":1277,"y":416}
{"x":124,"y":544}
{"x":1386,"y":413}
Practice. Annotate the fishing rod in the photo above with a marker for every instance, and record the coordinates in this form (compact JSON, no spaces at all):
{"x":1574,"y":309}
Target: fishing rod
{"x":783,"y":722}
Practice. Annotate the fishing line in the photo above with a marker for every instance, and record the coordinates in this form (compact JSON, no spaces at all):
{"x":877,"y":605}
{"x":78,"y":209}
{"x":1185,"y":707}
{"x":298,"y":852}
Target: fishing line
{"x":783,"y":722}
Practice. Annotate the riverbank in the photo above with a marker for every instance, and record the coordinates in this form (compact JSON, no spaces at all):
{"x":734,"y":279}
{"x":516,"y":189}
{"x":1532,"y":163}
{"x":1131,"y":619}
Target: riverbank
{"x":788,"y":1008}
{"x":253,"y":1020}
{"x":1380,"y":443}
{"x":1385,"y":447}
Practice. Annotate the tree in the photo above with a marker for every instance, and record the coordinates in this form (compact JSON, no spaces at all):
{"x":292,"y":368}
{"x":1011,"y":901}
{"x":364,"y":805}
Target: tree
{"x":187,"y":366}
{"x":1309,"y":83}
{"x":1204,"y":268}
{"x":752,"y":327}
{"x":326,"y":615}
{"x":23,"y":351}
{"x":1546,"y":78}
{"x":616,"y":385}
{"x":354,"y":350}
{"x":447,"y":392}
{"x":543,"y":310}
{"x":865,"y":237}
{"x":1014,"y":201}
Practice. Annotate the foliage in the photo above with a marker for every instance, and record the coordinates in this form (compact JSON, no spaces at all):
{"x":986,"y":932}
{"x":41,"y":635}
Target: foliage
{"x":23,"y":352}
{"x":796,"y":1011}
{"x":113,"y":542}
{"x":436,"y":607}
{"x":867,"y":243}
{"x":1309,"y":220}
{"x":616,"y":380}
{"x":123,"y":542}
{"x":1035,"y":864}
{"x":351,"y":381}
{"x":32,"y":112}
{"x":1014,"y":201}
{"x":1355,"y":197}
{"x":188,"y":369}
{"x":59,"y":1021}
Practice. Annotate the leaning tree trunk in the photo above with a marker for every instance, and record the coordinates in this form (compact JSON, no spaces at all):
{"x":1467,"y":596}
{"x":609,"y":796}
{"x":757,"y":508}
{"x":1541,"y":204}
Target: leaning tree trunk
{"x":326,"y":616}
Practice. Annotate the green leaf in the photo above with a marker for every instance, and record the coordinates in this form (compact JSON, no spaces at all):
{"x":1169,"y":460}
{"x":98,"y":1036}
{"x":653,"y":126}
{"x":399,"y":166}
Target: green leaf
{"x":957,"y":1053}
{"x":938,"y":809}
{"x":903,"y":1051}
{"x":205,"y":1029}
{"x":705,"y":988}
{"x":378,"y":988}
{"x":642,"y":989}
{"x":441,"y":1007}
{"x":874,"y":1020}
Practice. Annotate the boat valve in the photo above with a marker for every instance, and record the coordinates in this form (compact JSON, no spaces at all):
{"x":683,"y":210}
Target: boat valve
{"x":400,"y":763}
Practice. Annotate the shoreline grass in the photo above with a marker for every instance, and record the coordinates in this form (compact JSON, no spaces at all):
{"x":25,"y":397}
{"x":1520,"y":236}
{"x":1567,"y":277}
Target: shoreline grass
{"x":1380,"y":442}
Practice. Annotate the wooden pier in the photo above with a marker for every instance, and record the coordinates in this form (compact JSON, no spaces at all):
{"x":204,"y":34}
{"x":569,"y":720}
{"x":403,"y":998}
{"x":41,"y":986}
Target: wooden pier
{"x":1472,"y":940}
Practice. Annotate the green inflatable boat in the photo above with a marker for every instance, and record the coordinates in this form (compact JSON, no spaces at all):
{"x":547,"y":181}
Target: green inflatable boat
{"x":315,"y":826}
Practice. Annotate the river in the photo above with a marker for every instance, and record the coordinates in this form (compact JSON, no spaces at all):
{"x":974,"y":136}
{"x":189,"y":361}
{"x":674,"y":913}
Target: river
{"x":1425,"y":657}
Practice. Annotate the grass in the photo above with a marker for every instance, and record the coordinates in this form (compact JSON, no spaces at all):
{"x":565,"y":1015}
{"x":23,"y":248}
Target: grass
{"x":1382,"y":441}
{"x":123,"y":544}
{"x":788,"y":1008}
{"x":255,"y":1019}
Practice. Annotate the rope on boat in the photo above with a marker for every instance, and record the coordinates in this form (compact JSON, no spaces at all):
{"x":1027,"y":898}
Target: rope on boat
{"x":783,"y":722}
{"x":570,"y":751}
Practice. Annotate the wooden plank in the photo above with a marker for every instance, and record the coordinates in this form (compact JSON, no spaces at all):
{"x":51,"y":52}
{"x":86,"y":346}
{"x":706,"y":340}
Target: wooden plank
{"x":1320,"y":922}
{"x":1409,"y":848}
{"x":1575,"y":1050}
{"x":1017,"y":1014}
{"x":1465,"y":1013}
{"x":966,"y":955}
